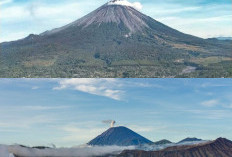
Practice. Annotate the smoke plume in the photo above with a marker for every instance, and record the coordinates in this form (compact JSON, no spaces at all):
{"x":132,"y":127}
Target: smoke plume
{"x":136,"y":5}
{"x":110,"y":122}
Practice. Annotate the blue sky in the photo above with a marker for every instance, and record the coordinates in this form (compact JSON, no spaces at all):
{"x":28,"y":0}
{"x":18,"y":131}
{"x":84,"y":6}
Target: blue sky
{"x":70,"y":112}
{"x":203,"y":18}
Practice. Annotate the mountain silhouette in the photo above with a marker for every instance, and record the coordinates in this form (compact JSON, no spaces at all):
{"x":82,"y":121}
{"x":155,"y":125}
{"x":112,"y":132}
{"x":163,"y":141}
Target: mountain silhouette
{"x":120,"y":136}
{"x":162,"y":142}
{"x":190,"y":140}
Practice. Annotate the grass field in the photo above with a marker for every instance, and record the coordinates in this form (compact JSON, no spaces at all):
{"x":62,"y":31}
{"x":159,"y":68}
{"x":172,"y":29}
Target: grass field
{"x":210,"y":60}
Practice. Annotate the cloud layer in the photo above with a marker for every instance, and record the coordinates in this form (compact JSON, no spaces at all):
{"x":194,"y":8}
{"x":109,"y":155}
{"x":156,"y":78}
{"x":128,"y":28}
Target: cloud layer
{"x":210,"y":103}
{"x":5,"y":2}
{"x":83,"y":151}
{"x":101,"y":87}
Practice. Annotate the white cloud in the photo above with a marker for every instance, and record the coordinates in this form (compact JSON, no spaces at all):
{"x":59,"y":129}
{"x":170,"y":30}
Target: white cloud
{"x":20,"y":20}
{"x":136,"y":5}
{"x":210,"y":103}
{"x":35,"y":87}
{"x":100,"y":87}
{"x":41,"y":11}
{"x":83,"y":151}
{"x":5,"y":2}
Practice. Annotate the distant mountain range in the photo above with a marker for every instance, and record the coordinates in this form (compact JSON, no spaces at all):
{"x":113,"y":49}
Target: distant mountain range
{"x":115,"y":142}
{"x":218,"y":148}
{"x":123,"y":136}
{"x":120,"y":136}
{"x":224,"y":38}
{"x":190,"y":140}
{"x":115,"y":41}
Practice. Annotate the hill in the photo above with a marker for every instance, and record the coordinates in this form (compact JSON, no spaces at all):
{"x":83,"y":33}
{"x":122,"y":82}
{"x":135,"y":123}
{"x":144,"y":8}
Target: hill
{"x":161,"y":142}
{"x":190,"y":140}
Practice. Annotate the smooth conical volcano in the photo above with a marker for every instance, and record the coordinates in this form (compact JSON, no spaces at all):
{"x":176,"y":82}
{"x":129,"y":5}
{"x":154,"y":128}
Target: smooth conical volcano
{"x":120,"y":136}
{"x":119,"y":14}
{"x":115,"y":40}
{"x":126,"y":18}
{"x":111,"y":12}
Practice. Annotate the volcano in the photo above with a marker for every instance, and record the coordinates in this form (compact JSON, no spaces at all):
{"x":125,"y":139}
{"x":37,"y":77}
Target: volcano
{"x":190,"y":140}
{"x":115,"y":40}
{"x":120,"y":136}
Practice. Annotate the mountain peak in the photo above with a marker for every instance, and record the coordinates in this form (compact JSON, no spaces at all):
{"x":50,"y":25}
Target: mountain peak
{"x":189,"y":139}
{"x":120,"y":136}
{"x":115,"y":1}
{"x":121,"y":13}
{"x":115,"y":12}
{"x":135,"y":5}
{"x":161,"y":142}
{"x":223,"y":141}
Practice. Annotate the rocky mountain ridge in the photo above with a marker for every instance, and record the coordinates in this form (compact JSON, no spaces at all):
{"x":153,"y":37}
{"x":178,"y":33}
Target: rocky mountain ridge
{"x":218,"y":148}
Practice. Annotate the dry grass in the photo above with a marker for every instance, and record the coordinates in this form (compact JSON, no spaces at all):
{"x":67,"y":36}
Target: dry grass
{"x":188,"y":47}
{"x":41,"y":63}
{"x":210,"y":60}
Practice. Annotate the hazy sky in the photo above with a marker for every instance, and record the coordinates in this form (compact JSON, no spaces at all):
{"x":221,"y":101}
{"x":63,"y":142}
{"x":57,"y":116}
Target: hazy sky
{"x":70,"y":112}
{"x":203,"y":18}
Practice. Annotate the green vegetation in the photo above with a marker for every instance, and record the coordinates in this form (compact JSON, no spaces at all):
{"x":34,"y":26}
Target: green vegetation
{"x":75,"y":52}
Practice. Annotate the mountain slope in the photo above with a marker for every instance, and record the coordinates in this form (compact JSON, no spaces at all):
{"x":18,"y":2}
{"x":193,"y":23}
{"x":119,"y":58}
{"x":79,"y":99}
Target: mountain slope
{"x":110,"y":14}
{"x":115,"y":41}
{"x":218,"y":148}
{"x":120,"y":136}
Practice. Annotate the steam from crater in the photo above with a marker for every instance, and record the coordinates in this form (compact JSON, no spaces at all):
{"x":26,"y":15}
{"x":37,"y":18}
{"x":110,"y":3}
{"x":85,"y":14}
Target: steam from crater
{"x":110,"y":122}
{"x":136,"y":5}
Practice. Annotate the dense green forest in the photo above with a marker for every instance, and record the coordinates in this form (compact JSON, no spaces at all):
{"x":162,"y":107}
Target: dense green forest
{"x":109,"y":50}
